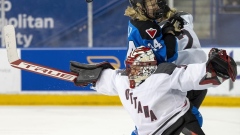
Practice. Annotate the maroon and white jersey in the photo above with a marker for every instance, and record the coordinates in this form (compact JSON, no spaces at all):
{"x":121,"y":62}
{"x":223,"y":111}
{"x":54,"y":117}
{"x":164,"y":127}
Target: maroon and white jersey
{"x":160,"y":100}
{"x":189,"y":47}
{"x":188,"y":39}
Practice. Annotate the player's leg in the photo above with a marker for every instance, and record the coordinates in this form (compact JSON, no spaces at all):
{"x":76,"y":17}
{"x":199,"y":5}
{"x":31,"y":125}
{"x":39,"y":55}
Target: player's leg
{"x":187,"y":124}
{"x":194,"y":124}
{"x":176,"y":128}
{"x":135,"y":132}
{"x":196,"y":97}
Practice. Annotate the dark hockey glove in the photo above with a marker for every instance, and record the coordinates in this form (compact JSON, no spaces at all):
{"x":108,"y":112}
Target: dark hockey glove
{"x":219,"y":67}
{"x":87,"y":73}
{"x":174,"y":23}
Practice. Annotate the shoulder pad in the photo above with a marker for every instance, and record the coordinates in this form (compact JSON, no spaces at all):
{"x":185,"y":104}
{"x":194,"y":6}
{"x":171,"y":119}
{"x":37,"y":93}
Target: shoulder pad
{"x":144,"y":26}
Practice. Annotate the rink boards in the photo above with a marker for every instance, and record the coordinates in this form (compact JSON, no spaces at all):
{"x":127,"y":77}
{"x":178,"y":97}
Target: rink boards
{"x":21,"y":87}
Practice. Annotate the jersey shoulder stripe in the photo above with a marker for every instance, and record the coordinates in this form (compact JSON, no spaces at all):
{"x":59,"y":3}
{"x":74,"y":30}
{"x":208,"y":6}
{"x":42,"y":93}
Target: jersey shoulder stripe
{"x":122,"y":72}
{"x":166,"y":68}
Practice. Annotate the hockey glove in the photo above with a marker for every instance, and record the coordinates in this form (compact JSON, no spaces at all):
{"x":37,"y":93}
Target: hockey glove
{"x":219,"y":67}
{"x":174,"y":23}
{"x":87,"y":73}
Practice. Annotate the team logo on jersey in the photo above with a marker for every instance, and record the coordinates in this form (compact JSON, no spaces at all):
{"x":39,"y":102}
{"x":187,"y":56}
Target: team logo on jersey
{"x":151,"y":32}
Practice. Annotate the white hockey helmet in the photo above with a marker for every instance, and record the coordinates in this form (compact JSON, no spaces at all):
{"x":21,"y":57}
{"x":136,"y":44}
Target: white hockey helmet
{"x":140,"y":64}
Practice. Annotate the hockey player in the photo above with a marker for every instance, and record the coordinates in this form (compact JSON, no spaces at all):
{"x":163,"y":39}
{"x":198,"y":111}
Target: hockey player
{"x":155,"y":95}
{"x":189,"y":51}
{"x":144,"y":16}
{"x":144,"y":30}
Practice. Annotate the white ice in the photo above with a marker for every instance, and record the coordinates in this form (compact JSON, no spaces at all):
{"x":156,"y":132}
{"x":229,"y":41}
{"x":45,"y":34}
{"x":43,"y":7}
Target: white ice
{"x":95,"y":120}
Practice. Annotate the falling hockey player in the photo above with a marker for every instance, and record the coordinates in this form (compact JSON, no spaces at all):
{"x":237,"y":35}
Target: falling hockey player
{"x":155,"y":95}
{"x":175,"y":33}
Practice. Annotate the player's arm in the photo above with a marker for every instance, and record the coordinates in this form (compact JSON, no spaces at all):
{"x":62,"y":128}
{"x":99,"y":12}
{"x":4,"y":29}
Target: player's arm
{"x":171,"y":46}
{"x":214,"y":72}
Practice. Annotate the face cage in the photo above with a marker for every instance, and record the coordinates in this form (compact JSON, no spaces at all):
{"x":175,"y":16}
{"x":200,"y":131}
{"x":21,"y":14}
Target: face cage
{"x":155,"y":9}
{"x":140,"y":73}
{"x":129,"y":64}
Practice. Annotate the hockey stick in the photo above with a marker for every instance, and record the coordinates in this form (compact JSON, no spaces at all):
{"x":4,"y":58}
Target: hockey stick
{"x":88,"y":1}
{"x":11,"y":46}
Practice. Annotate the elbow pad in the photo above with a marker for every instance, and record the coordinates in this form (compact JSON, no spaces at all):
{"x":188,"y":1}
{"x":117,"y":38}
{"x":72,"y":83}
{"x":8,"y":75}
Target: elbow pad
{"x":171,"y":46}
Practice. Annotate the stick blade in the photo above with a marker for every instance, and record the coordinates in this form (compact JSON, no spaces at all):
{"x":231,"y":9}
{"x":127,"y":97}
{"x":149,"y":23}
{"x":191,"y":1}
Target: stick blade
{"x":10,"y":42}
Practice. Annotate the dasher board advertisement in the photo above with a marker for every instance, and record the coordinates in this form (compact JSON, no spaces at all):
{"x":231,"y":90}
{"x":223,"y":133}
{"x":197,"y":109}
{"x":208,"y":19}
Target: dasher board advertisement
{"x":15,"y":80}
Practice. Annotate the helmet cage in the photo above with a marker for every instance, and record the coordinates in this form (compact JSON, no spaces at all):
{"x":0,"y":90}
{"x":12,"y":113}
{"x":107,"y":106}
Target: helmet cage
{"x":137,"y":72}
{"x":147,"y":6}
{"x":164,"y":9}
{"x":140,"y":64}
{"x":133,"y":3}
{"x":157,"y":12}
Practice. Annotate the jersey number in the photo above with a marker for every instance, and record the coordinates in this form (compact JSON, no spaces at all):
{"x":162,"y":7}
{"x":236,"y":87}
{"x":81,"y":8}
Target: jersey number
{"x":156,"y":45}
{"x":190,"y":39}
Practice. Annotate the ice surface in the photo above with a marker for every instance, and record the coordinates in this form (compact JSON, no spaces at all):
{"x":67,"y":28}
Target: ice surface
{"x":95,"y":120}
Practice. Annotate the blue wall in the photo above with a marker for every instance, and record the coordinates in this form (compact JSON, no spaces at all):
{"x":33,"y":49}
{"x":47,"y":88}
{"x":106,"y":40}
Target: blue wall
{"x":60,"y":59}
{"x":69,"y":23}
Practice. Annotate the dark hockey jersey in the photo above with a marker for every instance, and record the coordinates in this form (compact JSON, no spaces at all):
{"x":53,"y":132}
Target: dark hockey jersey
{"x":148,"y":33}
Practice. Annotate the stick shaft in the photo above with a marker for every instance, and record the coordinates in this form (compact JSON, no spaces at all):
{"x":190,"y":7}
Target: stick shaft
{"x":16,"y":62}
